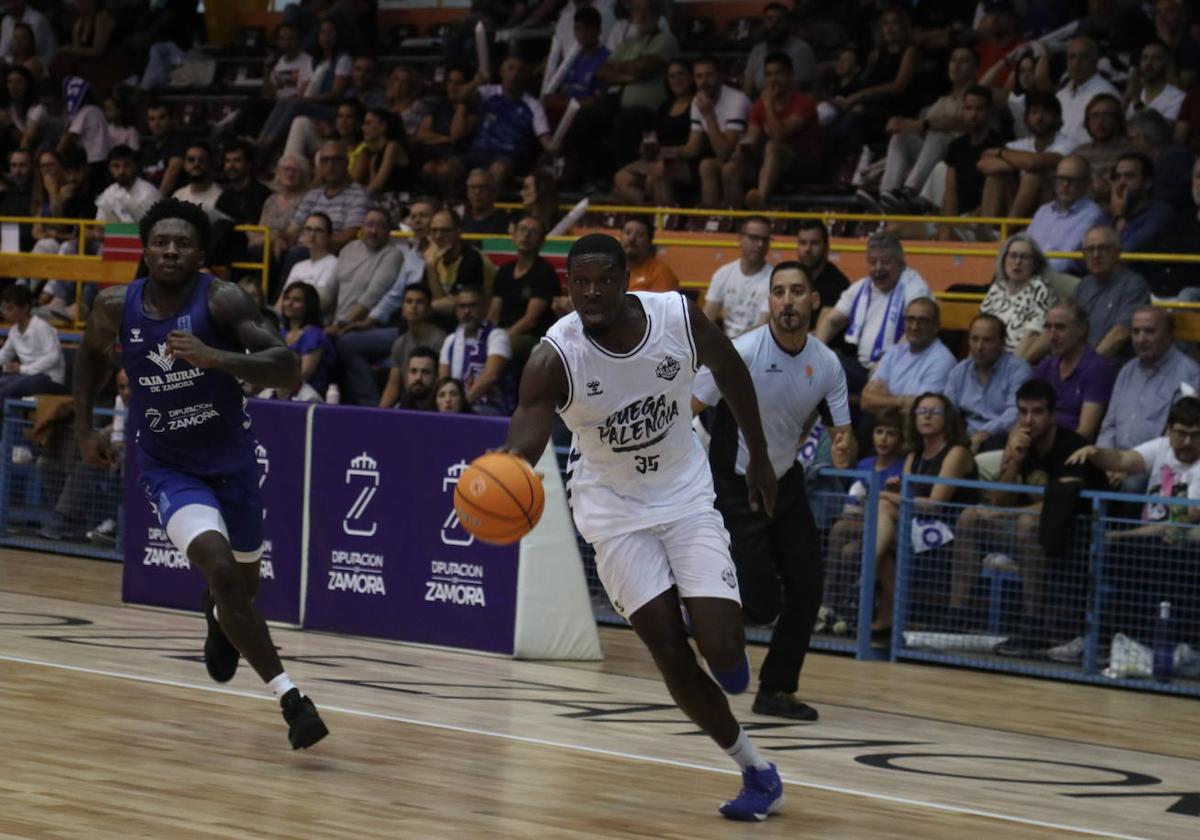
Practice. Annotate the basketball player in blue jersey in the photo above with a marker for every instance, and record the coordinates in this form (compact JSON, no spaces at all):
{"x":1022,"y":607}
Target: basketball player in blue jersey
{"x":186,"y":339}
{"x":619,"y":372}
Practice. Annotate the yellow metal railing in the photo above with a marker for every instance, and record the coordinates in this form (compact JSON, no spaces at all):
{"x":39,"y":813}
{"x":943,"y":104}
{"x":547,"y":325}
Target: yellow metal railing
{"x":661,"y":213}
{"x":83,"y":225}
{"x":828,"y":216}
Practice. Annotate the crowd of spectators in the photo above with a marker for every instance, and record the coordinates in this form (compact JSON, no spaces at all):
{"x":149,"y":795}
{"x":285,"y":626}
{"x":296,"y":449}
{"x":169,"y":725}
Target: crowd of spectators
{"x":1083,"y":116}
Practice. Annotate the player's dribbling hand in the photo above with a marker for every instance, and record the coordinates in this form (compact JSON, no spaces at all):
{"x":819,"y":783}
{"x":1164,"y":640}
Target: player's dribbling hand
{"x":95,"y":449}
{"x":191,"y":349}
{"x":760,"y":480}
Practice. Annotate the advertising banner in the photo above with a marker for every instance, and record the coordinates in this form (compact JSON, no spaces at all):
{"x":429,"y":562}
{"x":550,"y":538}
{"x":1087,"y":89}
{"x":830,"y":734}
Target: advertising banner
{"x":388,"y":557}
{"x":157,"y":574}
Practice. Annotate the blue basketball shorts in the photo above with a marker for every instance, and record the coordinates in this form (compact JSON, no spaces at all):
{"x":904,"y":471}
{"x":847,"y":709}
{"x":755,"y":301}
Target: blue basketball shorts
{"x":188,"y":505}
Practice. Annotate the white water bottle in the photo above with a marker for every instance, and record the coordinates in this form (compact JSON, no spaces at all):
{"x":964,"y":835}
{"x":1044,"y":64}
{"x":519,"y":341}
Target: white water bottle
{"x":332,"y":395}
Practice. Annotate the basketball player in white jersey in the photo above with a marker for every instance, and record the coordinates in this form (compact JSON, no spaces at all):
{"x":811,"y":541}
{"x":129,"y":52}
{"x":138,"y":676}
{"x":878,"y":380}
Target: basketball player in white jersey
{"x":795,"y":376}
{"x":619,"y":372}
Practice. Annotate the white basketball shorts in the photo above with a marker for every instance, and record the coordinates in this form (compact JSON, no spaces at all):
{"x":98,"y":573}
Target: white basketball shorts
{"x":691,"y":554}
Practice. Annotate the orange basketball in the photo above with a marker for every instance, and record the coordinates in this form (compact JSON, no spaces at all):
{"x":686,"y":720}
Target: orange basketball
{"x":499,"y":498}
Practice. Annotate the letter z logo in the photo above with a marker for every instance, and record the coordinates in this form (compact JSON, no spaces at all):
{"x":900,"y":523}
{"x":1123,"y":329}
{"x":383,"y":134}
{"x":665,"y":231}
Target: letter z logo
{"x":363,"y":472}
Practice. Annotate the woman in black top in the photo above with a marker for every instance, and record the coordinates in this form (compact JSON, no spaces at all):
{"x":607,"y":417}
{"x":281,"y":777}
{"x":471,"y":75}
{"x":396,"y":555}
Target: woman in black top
{"x":938,"y":446}
{"x":888,"y":89}
{"x":660,"y":165}
{"x":383,"y":167}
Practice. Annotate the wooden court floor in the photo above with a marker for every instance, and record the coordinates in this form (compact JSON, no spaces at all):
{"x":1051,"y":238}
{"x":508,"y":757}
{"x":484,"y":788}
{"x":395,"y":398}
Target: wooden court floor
{"x":111,"y":728}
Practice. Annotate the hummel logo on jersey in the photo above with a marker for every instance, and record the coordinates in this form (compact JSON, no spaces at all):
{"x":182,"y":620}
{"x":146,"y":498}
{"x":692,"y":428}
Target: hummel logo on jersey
{"x":667,"y":369}
{"x":135,"y":336}
{"x":594,"y":389}
{"x":162,"y":358}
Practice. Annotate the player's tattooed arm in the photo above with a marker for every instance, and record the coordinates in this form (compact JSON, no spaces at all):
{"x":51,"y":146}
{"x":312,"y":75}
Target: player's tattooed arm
{"x":266,"y":363}
{"x":543,"y":388}
{"x":92,"y":371}
{"x":716,"y":351}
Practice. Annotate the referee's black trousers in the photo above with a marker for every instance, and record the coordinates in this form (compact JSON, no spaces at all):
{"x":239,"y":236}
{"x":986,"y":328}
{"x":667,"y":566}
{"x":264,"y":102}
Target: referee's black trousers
{"x":780,"y":569}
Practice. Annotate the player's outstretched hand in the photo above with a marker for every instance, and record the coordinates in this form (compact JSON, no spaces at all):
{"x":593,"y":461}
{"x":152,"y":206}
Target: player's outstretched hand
{"x":760,"y":481}
{"x":191,"y":349}
{"x":96,"y":449}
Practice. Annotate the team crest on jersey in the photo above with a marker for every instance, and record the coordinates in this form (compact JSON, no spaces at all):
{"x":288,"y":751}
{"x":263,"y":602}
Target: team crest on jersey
{"x":184,"y":323}
{"x":594,"y":389}
{"x":135,"y":336}
{"x":162,"y":358}
{"x":667,"y":369}
{"x":729,"y":576}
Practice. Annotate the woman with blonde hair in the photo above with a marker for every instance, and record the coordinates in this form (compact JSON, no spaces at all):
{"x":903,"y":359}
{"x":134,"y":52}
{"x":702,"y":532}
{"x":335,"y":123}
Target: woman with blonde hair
{"x":292,"y":176}
{"x":1020,"y":296}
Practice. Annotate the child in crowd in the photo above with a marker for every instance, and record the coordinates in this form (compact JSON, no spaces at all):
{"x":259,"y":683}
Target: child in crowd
{"x":844,"y":557}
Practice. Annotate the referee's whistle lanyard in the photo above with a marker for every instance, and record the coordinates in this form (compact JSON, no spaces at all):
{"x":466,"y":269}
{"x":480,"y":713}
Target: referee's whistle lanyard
{"x":889,"y":314}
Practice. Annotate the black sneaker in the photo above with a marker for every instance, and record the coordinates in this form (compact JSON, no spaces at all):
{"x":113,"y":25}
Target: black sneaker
{"x":305,"y":726}
{"x":1022,"y":646}
{"x":782,"y":704}
{"x":220,"y":656}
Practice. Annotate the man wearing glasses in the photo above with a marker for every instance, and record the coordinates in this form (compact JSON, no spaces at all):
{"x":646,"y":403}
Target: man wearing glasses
{"x":1110,"y":293}
{"x":317,"y":270}
{"x":737,"y":295}
{"x":1059,"y":225}
{"x":921,"y":363}
{"x":338,"y":197}
{"x":450,"y":262}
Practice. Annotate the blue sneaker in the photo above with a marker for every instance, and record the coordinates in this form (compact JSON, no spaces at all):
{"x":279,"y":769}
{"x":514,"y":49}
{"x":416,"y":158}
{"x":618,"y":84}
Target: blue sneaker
{"x":736,"y":680}
{"x":761,"y":795}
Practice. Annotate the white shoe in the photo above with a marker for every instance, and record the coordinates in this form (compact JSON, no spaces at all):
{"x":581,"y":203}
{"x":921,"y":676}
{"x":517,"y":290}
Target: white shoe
{"x":860,"y":171}
{"x":1000,"y":563}
{"x":22,"y":455}
{"x":1070,"y":652}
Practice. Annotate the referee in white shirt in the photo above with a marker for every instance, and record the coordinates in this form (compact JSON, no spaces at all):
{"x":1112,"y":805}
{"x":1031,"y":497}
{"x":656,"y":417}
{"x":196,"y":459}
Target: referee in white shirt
{"x":778,"y":558}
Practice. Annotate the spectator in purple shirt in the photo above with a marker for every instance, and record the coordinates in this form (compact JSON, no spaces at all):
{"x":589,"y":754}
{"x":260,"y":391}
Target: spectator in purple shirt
{"x":1082,"y":379}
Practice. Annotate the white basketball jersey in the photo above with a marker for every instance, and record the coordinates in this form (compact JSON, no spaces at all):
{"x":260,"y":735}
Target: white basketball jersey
{"x":635,"y":461}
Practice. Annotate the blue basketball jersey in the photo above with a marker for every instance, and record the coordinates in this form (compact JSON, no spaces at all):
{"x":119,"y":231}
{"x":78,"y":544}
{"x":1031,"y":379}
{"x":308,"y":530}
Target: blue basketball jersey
{"x":183,"y":417}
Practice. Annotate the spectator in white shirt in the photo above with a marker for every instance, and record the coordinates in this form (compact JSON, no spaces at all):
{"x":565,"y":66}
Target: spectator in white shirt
{"x":1082,"y":83}
{"x":1150,"y":83}
{"x":871,"y":311}
{"x":738,"y":295}
{"x":317,"y":270}
{"x":1020,"y":174}
{"x":477,"y":354}
{"x":88,"y":127}
{"x":200,"y":188}
{"x":719,"y":117}
{"x":31,"y":358}
{"x":128,"y":197}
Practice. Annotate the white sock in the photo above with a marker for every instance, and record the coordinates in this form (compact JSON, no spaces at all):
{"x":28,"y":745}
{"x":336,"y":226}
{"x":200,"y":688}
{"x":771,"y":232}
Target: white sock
{"x":281,"y":685}
{"x":744,"y":753}
{"x":215,"y":614}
